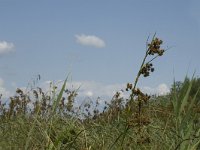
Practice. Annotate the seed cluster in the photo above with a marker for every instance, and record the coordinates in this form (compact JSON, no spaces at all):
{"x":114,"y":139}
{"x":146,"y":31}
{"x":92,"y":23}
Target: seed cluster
{"x":141,"y":96}
{"x":154,"y":47}
{"x":138,"y":93}
{"x":129,"y":86}
{"x":146,"y":69}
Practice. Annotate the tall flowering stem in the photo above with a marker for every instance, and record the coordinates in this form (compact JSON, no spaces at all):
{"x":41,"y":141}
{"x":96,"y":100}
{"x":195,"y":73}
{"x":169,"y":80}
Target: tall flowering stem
{"x":138,"y":119}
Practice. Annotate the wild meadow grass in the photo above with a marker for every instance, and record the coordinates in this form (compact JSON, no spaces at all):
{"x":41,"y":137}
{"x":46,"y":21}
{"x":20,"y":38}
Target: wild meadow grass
{"x":39,"y":120}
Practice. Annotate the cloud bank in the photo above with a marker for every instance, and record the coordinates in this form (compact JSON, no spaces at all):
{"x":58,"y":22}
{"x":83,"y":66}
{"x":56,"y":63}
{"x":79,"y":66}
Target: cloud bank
{"x":92,"y":89}
{"x":95,"y":89}
{"x":90,"y":40}
{"x":6,"y":47}
{"x":5,"y":93}
{"x":161,"y":89}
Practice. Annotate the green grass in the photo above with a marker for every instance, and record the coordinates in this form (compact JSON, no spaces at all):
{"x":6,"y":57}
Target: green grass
{"x":170,"y":127}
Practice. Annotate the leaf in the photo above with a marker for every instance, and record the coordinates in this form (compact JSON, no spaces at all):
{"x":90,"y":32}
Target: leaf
{"x":56,"y":102}
{"x":184,"y":101}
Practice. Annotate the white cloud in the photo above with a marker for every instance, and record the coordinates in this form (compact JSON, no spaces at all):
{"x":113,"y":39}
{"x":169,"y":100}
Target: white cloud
{"x":90,"y":40}
{"x":93,"y":90}
{"x":161,"y":89}
{"x":5,"y":93}
{"x":89,"y":89}
{"x":96,"y":89}
{"x":6,"y":47}
{"x":89,"y":93}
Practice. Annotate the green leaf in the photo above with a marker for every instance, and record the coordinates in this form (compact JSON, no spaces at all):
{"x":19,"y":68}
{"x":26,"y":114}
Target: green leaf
{"x":56,"y":102}
{"x":184,"y":101}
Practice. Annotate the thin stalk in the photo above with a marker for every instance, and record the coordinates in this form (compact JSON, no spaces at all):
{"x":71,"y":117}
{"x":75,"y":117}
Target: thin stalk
{"x":139,"y":73}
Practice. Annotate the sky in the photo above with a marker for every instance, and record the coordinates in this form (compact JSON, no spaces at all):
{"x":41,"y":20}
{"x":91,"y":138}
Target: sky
{"x":99,"y":44}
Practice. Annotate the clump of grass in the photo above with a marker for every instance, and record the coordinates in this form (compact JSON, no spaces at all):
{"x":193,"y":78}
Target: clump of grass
{"x":50,"y":120}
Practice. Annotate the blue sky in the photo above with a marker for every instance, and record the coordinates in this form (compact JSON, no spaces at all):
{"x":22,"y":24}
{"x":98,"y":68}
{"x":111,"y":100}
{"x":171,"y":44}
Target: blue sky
{"x":97,"y":42}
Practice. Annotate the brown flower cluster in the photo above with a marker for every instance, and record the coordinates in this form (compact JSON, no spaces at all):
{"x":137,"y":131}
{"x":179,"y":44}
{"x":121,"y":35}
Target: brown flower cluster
{"x":141,"y":96}
{"x":129,"y":86}
{"x":137,"y":92}
{"x":154,"y":47}
{"x":146,"y":69}
{"x":70,"y":98}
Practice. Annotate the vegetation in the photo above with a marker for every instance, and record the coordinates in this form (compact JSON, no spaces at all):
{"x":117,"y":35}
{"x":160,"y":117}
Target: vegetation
{"x":39,"y":120}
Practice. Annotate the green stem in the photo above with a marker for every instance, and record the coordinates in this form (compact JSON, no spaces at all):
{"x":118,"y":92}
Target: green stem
{"x":139,"y":73}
